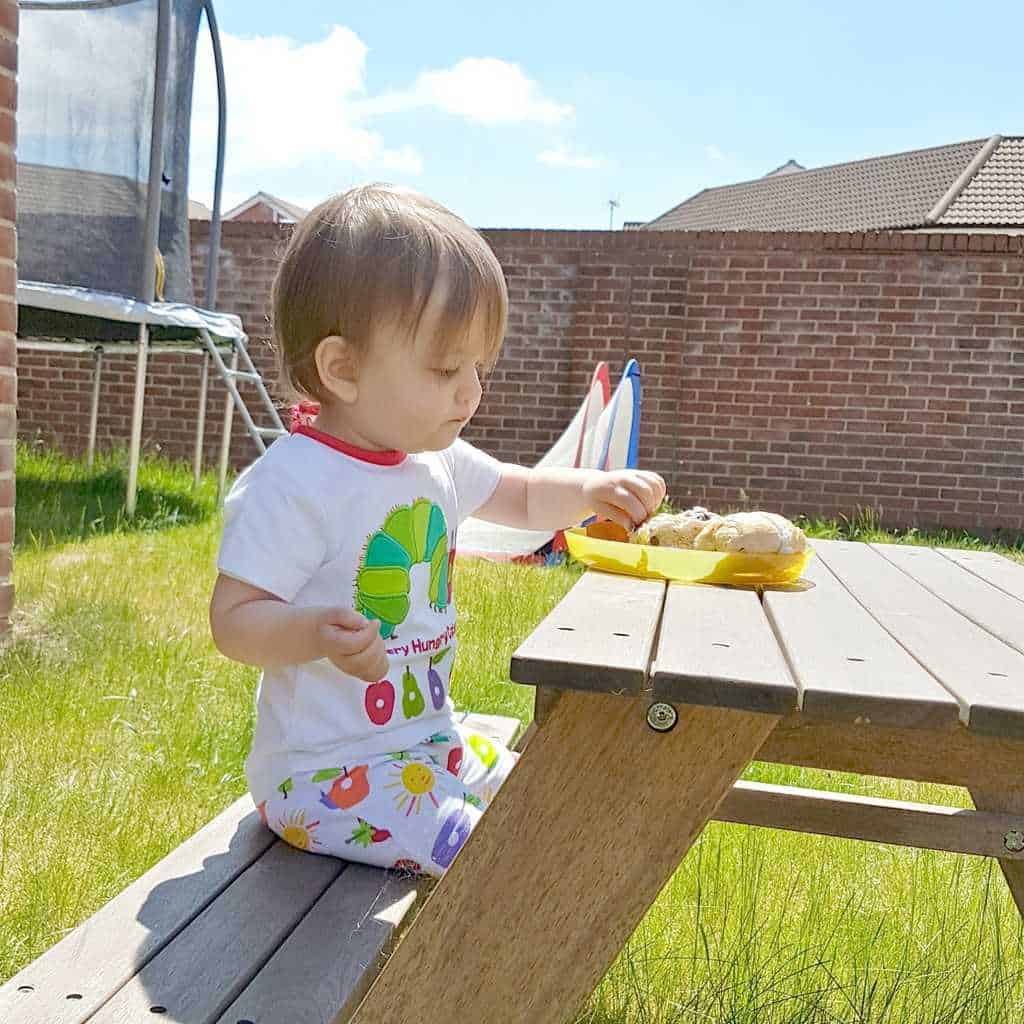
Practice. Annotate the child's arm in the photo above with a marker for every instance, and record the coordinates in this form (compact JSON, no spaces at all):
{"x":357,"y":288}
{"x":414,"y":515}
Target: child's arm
{"x":553,"y":499}
{"x":257,"y":628}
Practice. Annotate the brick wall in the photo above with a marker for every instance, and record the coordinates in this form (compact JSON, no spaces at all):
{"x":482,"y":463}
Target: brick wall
{"x":8,"y":309}
{"x":806,"y":373}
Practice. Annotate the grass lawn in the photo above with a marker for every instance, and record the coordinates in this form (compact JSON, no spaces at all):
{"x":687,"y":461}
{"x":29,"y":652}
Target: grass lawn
{"x":124,"y":731}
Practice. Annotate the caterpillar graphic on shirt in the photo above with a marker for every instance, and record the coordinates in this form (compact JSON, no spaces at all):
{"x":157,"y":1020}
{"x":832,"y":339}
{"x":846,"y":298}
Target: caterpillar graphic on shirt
{"x":411,"y":534}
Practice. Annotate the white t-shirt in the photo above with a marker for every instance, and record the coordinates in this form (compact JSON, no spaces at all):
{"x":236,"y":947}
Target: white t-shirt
{"x":315,"y":522}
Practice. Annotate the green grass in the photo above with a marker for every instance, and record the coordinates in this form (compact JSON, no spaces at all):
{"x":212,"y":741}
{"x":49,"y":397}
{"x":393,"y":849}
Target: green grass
{"x":124,"y":731}
{"x":61,"y":499}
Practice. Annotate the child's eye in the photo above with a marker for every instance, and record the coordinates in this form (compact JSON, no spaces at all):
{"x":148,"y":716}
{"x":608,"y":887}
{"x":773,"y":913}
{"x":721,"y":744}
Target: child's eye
{"x":448,"y":373}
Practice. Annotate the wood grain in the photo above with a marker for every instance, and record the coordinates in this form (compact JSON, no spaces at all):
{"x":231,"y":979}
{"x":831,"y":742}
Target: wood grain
{"x":984,"y":674}
{"x":850,"y":816}
{"x":599,"y":637}
{"x":571,"y":854}
{"x":716,"y":647}
{"x":848,"y":668}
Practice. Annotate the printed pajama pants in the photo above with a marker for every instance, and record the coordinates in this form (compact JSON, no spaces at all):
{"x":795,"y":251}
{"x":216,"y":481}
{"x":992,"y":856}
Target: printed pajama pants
{"x":411,"y":810}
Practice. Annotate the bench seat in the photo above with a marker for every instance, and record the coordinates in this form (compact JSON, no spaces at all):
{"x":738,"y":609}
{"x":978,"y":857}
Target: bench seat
{"x":232,"y":926}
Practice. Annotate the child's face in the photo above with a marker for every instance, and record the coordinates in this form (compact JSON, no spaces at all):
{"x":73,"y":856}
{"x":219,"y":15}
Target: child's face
{"x":408,"y":397}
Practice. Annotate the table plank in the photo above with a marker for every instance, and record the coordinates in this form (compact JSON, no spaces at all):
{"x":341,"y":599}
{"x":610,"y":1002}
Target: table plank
{"x":994,"y":568}
{"x":981,"y":602}
{"x":848,"y":668}
{"x":983,"y":673}
{"x":850,"y":816}
{"x":325,"y":966}
{"x":204,"y":968}
{"x":716,"y":648}
{"x":953,"y":757}
{"x":599,"y":637}
{"x":72,"y":979}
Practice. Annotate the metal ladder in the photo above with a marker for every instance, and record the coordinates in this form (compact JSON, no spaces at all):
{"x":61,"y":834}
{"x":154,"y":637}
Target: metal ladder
{"x":229,"y":374}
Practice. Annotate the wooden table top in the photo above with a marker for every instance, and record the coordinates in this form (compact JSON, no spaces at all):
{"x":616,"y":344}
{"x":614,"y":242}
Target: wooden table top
{"x":881,"y":634}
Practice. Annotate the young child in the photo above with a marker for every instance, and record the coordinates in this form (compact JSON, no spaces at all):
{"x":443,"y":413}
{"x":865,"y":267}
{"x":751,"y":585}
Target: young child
{"x":335,"y":566}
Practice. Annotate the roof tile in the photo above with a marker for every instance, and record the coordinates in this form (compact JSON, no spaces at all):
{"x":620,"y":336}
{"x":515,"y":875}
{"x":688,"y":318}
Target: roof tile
{"x":880,"y":193}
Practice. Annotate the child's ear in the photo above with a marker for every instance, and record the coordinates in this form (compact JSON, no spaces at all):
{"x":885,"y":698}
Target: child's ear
{"x":338,"y":367}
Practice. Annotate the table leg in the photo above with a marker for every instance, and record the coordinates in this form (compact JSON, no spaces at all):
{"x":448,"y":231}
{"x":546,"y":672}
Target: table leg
{"x":1012,"y":801}
{"x":544,"y":700}
{"x":564,"y":864}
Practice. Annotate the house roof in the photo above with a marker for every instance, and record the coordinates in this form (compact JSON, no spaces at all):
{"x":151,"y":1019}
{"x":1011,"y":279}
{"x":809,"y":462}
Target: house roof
{"x":287,"y":210}
{"x":980,"y":182}
{"x":66,"y":190}
{"x":995,"y":195}
{"x":198,"y":210}
{"x":789,"y":167}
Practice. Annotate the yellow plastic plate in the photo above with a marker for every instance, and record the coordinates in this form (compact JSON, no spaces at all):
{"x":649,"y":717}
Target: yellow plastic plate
{"x":664,"y":563}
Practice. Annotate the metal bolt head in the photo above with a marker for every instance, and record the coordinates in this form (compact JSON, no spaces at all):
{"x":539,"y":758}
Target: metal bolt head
{"x":662,"y":717}
{"x":1014,"y":841}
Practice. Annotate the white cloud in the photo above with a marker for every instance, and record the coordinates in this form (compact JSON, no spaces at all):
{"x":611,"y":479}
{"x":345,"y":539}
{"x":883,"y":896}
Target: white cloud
{"x":299,"y":115}
{"x":562,"y":156}
{"x":289,"y":103}
{"x":481,"y":89}
{"x":712,"y":152}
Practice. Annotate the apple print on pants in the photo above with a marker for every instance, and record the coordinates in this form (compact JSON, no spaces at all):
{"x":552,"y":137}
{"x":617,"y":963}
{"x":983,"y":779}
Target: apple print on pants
{"x":348,"y":788}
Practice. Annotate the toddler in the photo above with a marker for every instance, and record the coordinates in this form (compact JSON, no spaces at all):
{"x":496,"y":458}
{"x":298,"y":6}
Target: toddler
{"x":335,"y":566}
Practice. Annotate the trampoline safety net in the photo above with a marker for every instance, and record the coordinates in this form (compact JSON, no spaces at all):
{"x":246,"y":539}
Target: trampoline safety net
{"x":85,"y":106}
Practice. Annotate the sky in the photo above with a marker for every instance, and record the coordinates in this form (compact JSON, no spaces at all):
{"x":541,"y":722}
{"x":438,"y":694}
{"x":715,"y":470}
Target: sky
{"x":537,"y":114}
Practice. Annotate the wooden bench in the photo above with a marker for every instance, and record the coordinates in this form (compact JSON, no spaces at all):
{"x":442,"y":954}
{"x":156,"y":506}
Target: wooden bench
{"x":233,"y":926}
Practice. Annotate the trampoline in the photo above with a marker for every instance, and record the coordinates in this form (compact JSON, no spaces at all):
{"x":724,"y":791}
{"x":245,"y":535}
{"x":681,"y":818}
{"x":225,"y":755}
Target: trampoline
{"x":104,"y":263}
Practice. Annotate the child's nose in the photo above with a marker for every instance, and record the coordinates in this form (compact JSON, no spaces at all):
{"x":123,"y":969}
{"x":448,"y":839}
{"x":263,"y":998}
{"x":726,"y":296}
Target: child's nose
{"x":469,"y":391}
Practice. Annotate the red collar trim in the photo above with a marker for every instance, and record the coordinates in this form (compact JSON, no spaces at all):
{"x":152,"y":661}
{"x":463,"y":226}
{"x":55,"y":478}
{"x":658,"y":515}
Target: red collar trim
{"x":392,"y":458}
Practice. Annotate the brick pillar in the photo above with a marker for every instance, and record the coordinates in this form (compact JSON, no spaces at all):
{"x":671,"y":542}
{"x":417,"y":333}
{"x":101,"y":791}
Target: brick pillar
{"x":8,"y":305}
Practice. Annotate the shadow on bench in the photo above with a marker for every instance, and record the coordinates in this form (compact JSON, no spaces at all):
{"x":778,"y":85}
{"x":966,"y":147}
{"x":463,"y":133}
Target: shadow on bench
{"x":233,"y":926}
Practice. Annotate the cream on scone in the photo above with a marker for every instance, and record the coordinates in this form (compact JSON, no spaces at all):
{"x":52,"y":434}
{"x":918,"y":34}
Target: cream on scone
{"x":676,"y":530}
{"x":759,"y":532}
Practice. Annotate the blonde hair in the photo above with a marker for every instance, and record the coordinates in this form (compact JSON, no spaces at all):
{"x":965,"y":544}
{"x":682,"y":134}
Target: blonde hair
{"x":374,"y":254}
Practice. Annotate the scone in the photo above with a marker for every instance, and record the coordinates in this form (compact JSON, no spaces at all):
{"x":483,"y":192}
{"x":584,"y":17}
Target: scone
{"x":758,"y":533}
{"x":675,"y":530}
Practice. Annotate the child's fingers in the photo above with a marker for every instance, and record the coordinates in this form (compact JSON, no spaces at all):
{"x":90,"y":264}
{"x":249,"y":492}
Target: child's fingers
{"x":360,"y":653}
{"x":347,"y":642}
{"x":346,"y":618}
{"x":614,"y":513}
{"x":648,"y":488}
{"x":370,"y":666}
{"x":633,"y":506}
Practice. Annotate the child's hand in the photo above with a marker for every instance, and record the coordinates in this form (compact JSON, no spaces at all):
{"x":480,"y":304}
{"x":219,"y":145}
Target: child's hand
{"x":353,"y":643}
{"x":626,"y":496}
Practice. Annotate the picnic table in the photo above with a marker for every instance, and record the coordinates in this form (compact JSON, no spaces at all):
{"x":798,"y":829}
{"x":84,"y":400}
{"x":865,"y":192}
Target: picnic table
{"x":652,"y":699}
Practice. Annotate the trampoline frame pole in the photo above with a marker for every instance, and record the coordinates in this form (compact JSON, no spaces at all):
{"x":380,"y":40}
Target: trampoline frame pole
{"x":218,"y":174}
{"x":197,"y":458}
{"x":94,"y":406}
{"x":213,"y":242}
{"x":150,"y":238}
{"x":225,"y":438}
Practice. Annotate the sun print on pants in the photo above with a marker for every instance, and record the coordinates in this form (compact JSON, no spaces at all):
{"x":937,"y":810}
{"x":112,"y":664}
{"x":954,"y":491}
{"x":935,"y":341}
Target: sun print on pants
{"x":414,"y":780}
